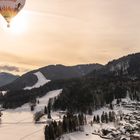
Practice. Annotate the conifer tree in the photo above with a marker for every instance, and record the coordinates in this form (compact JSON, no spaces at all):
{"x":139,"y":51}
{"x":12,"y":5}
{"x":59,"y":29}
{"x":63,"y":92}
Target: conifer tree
{"x":45,"y":110}
{"x":106,"y":117}
{"x":49,"y":110}
{"x":98,"y":119}
{"x":94,"y":119}
{"x":103,"y":117}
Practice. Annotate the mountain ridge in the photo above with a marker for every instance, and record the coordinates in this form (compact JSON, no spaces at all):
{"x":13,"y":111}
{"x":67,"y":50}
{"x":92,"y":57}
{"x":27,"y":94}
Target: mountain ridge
{"x":52,"y":72}
{"x":7,"y":78}
{"x":128,"y":65}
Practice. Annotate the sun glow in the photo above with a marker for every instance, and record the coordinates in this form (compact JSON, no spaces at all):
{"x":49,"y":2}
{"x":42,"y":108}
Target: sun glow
{"x":18,"y":24}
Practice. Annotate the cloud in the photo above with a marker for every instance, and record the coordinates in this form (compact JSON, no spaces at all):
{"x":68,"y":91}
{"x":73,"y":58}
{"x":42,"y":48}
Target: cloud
{"x":9,"y":68}
{"x":73,"y":32}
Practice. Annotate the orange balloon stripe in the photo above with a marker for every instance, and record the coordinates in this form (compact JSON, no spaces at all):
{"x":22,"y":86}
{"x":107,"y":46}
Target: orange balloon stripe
{"x":8,"y":13}
{"x":10,"y":10}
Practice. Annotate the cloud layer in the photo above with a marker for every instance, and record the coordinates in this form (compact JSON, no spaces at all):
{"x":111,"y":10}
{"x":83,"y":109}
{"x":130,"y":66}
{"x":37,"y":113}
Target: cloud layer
{"x":9,"y":68}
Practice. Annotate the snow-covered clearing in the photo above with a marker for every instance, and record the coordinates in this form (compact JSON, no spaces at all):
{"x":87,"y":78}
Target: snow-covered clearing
{"x":41,"y":81}
{"x":81,"y":136}
{"x":18,"y":124}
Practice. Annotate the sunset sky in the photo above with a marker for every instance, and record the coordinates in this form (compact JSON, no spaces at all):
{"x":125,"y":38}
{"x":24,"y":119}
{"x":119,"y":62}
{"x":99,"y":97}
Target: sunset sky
{"x":69,"y":32}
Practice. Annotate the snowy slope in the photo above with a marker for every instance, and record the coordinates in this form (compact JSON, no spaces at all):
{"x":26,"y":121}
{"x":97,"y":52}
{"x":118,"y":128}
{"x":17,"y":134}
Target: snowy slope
{"x":41,"y":81}
{"x":43,"y":101}
{"x":18,"y":124}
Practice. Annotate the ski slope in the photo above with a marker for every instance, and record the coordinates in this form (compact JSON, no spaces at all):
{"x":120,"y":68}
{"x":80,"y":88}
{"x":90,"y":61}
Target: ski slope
{"x":41,"y":81}
{"x":43,"y":101}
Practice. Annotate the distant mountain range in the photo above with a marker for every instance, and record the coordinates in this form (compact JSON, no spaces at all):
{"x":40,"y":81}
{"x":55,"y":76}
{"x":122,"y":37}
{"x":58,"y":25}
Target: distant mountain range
{"x":7,"y":78}
{"x":52,"y":72}
{"x":84,"y":86}
{"x":125,"y":66}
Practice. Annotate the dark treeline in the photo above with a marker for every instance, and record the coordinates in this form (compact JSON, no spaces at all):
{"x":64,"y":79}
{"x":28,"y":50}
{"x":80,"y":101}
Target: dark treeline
{"x":105,"y":117}
{"x":78,"y":95}
{"x":92,"y":93}
{"x":70,"y":123}
{"x":17,"y":98}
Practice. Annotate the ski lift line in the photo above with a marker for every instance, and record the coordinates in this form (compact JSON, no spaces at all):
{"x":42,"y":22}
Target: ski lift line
{"x":9,"y":125}
{"x":20,"y":120}
{"x":14,"y":123}
{"x":23,"y":119}
{"x":31,"y":134}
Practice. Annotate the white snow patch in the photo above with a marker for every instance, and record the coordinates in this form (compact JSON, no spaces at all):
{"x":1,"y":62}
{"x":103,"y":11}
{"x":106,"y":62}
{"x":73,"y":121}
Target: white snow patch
{"x":81,"y":136}
{"x":41,"y":81}
{"x":4,"y":92}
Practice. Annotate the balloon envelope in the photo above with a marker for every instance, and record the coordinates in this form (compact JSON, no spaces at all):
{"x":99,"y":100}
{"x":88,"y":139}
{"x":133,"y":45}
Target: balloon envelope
{"x":10,"y":8}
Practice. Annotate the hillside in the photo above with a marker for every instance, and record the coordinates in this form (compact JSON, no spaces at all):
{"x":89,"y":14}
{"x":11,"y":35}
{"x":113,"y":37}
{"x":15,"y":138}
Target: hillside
{"x":126,"y":66}
{"x":52,"y":72}
{"x":100,"y":87}
{"x":7,"y":78}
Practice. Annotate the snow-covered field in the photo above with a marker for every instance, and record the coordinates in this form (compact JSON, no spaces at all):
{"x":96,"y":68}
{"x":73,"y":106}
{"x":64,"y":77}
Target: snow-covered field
{"x":41,"y":81}
{"x":18,"y":124}
{"x":80,"y":136}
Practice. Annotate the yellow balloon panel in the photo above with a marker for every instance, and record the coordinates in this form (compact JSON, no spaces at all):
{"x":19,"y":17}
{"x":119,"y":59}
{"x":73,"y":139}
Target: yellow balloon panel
{"x":10,"y":8}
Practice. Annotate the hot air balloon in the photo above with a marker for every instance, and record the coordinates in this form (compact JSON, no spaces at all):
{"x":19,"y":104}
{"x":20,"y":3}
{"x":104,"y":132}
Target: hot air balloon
{"x":10,"y":8}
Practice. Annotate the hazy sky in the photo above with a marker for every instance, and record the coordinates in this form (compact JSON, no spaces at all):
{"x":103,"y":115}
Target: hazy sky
{"x":70,"y":32}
